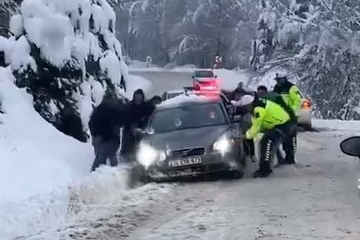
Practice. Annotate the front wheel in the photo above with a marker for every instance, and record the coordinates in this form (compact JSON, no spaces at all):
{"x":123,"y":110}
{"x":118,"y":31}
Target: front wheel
{"x":237,"y":174}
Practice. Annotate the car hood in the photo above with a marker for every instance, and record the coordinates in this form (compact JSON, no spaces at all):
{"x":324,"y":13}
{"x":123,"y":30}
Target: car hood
{"x":188,"y":138}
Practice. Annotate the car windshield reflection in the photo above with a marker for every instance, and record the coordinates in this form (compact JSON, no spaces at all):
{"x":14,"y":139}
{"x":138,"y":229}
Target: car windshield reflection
{"x":204,"y":74}
{"x":185,"y":117}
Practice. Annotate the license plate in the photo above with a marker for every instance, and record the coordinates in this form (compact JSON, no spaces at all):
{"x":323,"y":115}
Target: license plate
{"x":185,"y":162}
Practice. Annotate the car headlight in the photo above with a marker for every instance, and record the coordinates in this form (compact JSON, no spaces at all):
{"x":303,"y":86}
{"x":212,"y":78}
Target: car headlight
{"x":148,"y":156}
{"x":223,"y":144}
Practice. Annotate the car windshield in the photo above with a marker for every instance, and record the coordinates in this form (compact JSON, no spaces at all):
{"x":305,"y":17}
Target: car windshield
{"x":204,"y":74}
{"x":190,"y":116}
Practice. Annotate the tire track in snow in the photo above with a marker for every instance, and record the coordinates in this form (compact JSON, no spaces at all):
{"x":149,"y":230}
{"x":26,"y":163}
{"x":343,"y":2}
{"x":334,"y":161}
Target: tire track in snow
{"x":312,"y":203}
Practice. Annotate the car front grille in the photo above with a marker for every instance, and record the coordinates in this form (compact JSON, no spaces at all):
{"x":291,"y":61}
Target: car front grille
{"x":187,"y":152}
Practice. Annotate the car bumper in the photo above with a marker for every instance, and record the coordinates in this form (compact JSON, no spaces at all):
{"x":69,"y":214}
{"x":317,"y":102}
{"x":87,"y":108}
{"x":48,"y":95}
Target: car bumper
{"x":210,"y":163}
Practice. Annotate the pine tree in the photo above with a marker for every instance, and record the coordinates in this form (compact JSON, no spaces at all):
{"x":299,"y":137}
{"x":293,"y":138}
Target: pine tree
{"x":65,"y":90}
{"x":264,"y":46}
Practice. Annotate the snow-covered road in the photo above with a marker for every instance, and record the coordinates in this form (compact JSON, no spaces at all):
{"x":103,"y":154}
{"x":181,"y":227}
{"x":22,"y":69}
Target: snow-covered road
{"x":316,"y":200}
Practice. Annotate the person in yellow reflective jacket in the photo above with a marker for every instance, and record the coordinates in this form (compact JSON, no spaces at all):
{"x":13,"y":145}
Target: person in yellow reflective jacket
{"x":293,"y":99}
{"x":271,"y":119}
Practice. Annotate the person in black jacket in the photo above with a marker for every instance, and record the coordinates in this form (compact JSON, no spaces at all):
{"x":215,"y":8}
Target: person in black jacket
{"x":240,"y":90}
{"x":138,"y":111}
{"x":262,"y":91}
{"x":105,"y":123}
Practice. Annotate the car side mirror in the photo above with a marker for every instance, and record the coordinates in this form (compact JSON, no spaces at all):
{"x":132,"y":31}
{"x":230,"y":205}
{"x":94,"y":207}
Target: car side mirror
{"x":193,"y":77}
{"x":216,"y":76}
{"x":351,"y":146}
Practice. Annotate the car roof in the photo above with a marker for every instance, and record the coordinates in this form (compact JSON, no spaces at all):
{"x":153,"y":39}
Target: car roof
{"x":203,"y":69}
{"x":175,"y":91}
{"x":187,"y":100}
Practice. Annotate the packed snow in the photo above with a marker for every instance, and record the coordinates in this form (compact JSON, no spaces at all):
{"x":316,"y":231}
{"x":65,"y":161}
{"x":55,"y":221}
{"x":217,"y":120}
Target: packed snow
{"x":35,"y":160}
{"x":229,"y":79}
{"x":183,"y":98}
{"x":139,"y":66}
{"x":317,"y":199}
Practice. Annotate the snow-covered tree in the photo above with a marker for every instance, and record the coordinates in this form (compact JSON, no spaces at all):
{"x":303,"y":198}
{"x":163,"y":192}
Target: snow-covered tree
{"x":66,"y":55}
{"x":215,"y":27}
{"x":329,"y":67}
{"x":151,"y":24}
{"x":264,"y":46}
{"x":7,"y":9}
{"x":189,"y":31}
{"x":319,"y":41}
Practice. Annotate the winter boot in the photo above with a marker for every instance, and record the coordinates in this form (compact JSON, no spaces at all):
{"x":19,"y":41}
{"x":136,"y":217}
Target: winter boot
{"x":290,"y":158}
{"x":262,"y":174}
{"x":264,"y":170}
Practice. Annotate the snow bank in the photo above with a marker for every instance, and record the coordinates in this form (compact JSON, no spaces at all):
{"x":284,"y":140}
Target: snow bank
{"x":38,"y":164}
{"x":35,"y":157}
{"x":339,"y":126}
{"x":134,"y":83}
{"x":28,"y":144}
{"x":229,"y":79}
{"x":138,"y":66}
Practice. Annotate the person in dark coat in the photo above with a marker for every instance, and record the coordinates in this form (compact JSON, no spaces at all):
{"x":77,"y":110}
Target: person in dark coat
{"x":105,"y":123}
{"x":149,"y":109}
{"x":240,"y":91}
{"x":262,"y":91}
{"x":156,"y":100}
{"x":138,"y":110}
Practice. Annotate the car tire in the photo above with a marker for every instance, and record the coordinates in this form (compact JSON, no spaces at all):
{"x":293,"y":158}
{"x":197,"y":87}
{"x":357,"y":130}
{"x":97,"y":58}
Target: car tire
{"x":237,"y":174}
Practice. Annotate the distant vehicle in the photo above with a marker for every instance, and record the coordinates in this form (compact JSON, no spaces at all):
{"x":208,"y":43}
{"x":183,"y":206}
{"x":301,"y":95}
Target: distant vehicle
{"x":351,"y":147}
{"x":205,"y":78}
{"x":195,"y":136}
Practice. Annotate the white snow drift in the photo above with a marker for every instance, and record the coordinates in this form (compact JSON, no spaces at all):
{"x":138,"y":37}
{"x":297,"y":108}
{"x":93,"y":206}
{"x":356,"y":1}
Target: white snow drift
{"x":38,"y":163}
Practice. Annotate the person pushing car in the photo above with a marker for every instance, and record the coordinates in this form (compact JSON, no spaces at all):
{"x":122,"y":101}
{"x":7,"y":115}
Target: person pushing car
{"x":273,"y":121}
{"x":292,"y":97}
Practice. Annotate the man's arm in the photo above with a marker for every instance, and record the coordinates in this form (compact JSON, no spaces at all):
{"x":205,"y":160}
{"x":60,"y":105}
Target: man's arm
{"x":257,"y":120}
{"x":295,"y":99}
